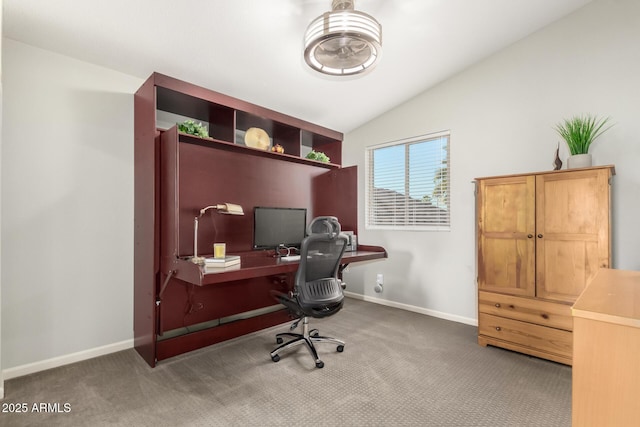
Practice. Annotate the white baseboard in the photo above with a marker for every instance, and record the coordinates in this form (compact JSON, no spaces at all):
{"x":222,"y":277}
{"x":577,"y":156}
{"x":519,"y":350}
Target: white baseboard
{"x":43,"y":365}
{"x":434,"y":313}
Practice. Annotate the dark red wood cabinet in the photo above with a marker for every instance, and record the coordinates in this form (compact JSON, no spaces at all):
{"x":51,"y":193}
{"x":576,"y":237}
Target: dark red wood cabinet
{"x":177,"y":308}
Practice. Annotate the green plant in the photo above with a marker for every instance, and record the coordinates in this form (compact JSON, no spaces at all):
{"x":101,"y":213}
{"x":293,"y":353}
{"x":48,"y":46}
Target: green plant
{"x":190,"y":127}
{"x":318,"y":155}
{"x":580,"y":131}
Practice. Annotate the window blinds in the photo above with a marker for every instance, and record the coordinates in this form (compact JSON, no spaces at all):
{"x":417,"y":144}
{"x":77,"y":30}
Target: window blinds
{"x":408,"y":184}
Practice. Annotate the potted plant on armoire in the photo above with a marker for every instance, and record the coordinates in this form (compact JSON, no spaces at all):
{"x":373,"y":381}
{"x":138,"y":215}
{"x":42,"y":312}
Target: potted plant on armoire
{"x":579,"y":132}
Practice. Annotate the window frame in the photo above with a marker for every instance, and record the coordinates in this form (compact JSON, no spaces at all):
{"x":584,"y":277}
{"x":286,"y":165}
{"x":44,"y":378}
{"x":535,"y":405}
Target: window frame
{"x":369,"y":180}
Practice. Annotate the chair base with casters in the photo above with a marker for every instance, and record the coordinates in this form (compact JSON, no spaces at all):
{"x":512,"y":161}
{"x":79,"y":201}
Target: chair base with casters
{"x":307,"y":337}
{"x":329,"y":292}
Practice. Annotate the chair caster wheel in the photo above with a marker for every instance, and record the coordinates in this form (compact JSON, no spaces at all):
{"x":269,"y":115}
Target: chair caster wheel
{"x":275,"y":357}
{"x":314,"y":333}
{"x":320,"y":364}
{"x":278,"y":340}
{"x":340,"y":348}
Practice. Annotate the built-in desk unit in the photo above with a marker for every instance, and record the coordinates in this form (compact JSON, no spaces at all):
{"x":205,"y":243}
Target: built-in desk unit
{"x":178,"y":308}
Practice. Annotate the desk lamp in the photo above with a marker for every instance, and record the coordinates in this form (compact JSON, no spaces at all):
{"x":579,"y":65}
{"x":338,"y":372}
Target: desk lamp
{"x":225,"y":208}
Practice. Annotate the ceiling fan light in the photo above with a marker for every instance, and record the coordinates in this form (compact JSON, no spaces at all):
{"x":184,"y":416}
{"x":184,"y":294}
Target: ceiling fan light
{"x":343,"y":42}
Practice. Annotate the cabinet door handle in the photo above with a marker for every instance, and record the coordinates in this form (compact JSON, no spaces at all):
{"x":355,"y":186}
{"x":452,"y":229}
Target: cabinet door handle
{"x":529,"y":235}
{"x":539,"y":236}
{"x":498,"y":328}
{"x":498,"y":305}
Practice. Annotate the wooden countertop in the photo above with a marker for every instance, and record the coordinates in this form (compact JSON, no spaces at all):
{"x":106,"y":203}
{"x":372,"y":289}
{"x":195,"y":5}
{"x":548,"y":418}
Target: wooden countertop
{"x":612,"y":296}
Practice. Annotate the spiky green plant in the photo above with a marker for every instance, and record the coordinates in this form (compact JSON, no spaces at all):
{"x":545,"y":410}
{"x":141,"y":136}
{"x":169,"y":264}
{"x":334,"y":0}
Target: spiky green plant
{"x":580,"y":131}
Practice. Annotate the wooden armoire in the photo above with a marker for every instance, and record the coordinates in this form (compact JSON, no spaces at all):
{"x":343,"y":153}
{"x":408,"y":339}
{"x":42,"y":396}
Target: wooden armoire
{"x":541,"y":238}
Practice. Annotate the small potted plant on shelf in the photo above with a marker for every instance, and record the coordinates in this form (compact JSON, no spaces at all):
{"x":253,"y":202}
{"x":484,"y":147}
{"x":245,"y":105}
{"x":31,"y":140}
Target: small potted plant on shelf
{"x":579,"y":132}
{"x":318,"y":156}
{"x":193,"y":128}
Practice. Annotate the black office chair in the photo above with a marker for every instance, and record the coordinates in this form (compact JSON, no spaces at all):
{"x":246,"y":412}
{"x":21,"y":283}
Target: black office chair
{"x":318,"y":289}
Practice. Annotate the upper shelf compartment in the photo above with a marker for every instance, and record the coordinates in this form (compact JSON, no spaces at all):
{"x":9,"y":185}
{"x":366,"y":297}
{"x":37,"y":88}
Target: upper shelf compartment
{"x":241,"y":148}
{"x":228,"y":119}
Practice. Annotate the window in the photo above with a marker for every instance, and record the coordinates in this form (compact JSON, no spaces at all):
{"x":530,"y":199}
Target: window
{"x":408,"y":184}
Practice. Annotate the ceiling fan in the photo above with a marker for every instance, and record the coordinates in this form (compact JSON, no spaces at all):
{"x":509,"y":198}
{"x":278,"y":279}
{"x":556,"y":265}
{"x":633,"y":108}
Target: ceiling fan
{"x":344,"y":41}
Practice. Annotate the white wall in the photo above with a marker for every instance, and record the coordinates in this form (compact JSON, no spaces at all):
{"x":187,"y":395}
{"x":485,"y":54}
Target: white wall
{"x":1,"y":374}
{"x":67,"y":208}
{"x":501,"y":114}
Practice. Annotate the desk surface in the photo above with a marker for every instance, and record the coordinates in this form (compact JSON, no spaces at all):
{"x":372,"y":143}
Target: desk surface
{"x":613,"y":296}
{"x":606,"y":344}
{"x":257,"y":264}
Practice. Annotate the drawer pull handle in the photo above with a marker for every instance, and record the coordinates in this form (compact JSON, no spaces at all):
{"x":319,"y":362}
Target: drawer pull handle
{"x":539,"y":236}
{"x":498,"y":305}
{"x":529,"y":235}
{"x":498,"y":328}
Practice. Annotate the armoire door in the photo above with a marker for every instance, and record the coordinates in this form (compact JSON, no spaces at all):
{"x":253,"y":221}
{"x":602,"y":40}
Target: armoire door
{"x":506,"y":235}
{"x":572,"y":231}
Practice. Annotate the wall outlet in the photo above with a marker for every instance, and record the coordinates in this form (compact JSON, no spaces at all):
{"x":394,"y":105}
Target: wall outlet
{"x":379,"y":282}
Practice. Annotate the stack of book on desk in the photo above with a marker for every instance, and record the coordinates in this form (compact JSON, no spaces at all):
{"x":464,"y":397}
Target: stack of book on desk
{"x":215,"y":263}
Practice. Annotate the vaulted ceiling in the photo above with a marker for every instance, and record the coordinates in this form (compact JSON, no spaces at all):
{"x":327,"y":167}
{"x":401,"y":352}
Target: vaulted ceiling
{"x":252,"y":49}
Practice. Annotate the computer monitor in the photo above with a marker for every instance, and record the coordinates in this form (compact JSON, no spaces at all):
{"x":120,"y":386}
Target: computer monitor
{"x":275,"y":226}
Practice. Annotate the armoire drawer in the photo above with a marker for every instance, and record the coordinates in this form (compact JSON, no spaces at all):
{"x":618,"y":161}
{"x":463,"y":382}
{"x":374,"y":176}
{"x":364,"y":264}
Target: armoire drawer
{"x":537,"y":337}
{"x":530,"y":310}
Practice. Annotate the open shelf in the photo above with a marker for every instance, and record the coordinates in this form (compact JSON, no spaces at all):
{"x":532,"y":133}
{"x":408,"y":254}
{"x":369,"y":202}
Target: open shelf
{"x":227,"y":119}
{"x":192,"y":139}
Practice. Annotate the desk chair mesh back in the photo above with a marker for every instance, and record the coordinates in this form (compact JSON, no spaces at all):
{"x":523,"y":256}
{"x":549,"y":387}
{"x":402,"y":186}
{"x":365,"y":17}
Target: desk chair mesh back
{"x":317,"y":289}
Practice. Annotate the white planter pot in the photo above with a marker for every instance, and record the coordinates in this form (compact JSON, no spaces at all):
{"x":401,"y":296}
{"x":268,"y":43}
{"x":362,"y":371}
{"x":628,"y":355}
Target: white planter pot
{"x":579,"y":161}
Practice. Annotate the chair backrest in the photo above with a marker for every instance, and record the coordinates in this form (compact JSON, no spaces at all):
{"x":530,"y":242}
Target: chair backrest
{"x":318,"y":288}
